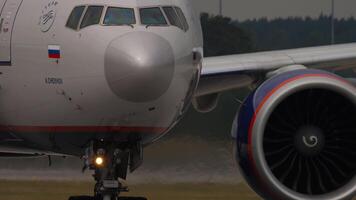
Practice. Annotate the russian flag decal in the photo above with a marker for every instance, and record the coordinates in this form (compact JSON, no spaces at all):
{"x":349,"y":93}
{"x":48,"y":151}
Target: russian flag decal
{"x":54,"y":51}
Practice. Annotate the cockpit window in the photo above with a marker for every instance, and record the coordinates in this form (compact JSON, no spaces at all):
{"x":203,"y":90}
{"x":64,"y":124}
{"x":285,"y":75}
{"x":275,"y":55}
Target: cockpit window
{"x":183,"y":19}
{"x":74,"y":18}
{"x":173,"y":17}
{"x":152,"y":16}
{"x":92,"y":16}
{"x":119,"y":16}
{"x":88,"y":15}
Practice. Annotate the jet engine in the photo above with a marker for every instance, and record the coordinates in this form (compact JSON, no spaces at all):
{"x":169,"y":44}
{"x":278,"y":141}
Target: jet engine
{"x":296,"y":137}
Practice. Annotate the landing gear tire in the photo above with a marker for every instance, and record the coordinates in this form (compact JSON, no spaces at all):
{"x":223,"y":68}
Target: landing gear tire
{"x":108,"y":197}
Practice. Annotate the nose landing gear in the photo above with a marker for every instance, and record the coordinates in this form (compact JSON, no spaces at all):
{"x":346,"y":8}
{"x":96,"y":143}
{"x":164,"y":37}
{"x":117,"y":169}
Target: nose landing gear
{"x":110,"y":163}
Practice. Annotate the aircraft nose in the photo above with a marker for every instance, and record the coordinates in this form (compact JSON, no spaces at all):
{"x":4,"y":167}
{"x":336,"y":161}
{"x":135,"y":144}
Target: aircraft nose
{"x":139,"y":66}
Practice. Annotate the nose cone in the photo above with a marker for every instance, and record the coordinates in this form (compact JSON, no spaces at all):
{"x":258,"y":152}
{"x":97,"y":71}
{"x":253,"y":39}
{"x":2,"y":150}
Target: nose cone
{"x":139,"y":66}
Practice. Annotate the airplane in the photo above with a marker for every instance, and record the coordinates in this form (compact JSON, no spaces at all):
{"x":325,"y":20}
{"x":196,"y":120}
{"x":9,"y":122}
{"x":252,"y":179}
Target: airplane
{"x":102,"y":80}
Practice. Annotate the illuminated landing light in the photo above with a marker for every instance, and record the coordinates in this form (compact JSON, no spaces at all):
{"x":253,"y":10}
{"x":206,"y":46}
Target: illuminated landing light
{"x":99,"y":161}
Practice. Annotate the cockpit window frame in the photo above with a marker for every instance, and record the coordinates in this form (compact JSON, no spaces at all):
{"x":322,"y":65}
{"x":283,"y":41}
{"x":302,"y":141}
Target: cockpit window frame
{"x":184,"y":22}
{"x":182,"y":17}
{"x":101,"y":21}
{"x":86,"y":10}
{"x":80,"y":18}
{"x":110,"y":6}
{"x":179,"y":25}
{"x":137,"y":16}
{"x":153,"y":25}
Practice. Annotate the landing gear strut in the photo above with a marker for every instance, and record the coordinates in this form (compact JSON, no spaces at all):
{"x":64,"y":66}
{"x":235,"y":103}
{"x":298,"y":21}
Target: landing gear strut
{"x":110,"y":163}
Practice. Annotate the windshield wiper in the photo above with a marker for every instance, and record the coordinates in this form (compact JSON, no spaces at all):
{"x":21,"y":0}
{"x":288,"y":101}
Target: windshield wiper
{"x":148,"y":25}
{"x":130,"y":25}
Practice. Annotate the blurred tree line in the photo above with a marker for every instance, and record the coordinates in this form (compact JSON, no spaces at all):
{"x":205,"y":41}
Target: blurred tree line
{"x":224,"y":36}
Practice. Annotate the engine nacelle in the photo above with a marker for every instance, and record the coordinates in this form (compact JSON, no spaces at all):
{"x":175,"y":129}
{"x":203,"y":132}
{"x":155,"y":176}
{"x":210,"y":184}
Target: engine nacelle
{"x":296,"y":137}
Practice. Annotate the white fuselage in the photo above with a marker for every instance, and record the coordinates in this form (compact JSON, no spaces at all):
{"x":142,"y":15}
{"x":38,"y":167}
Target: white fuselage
{"x":62,"y":104}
